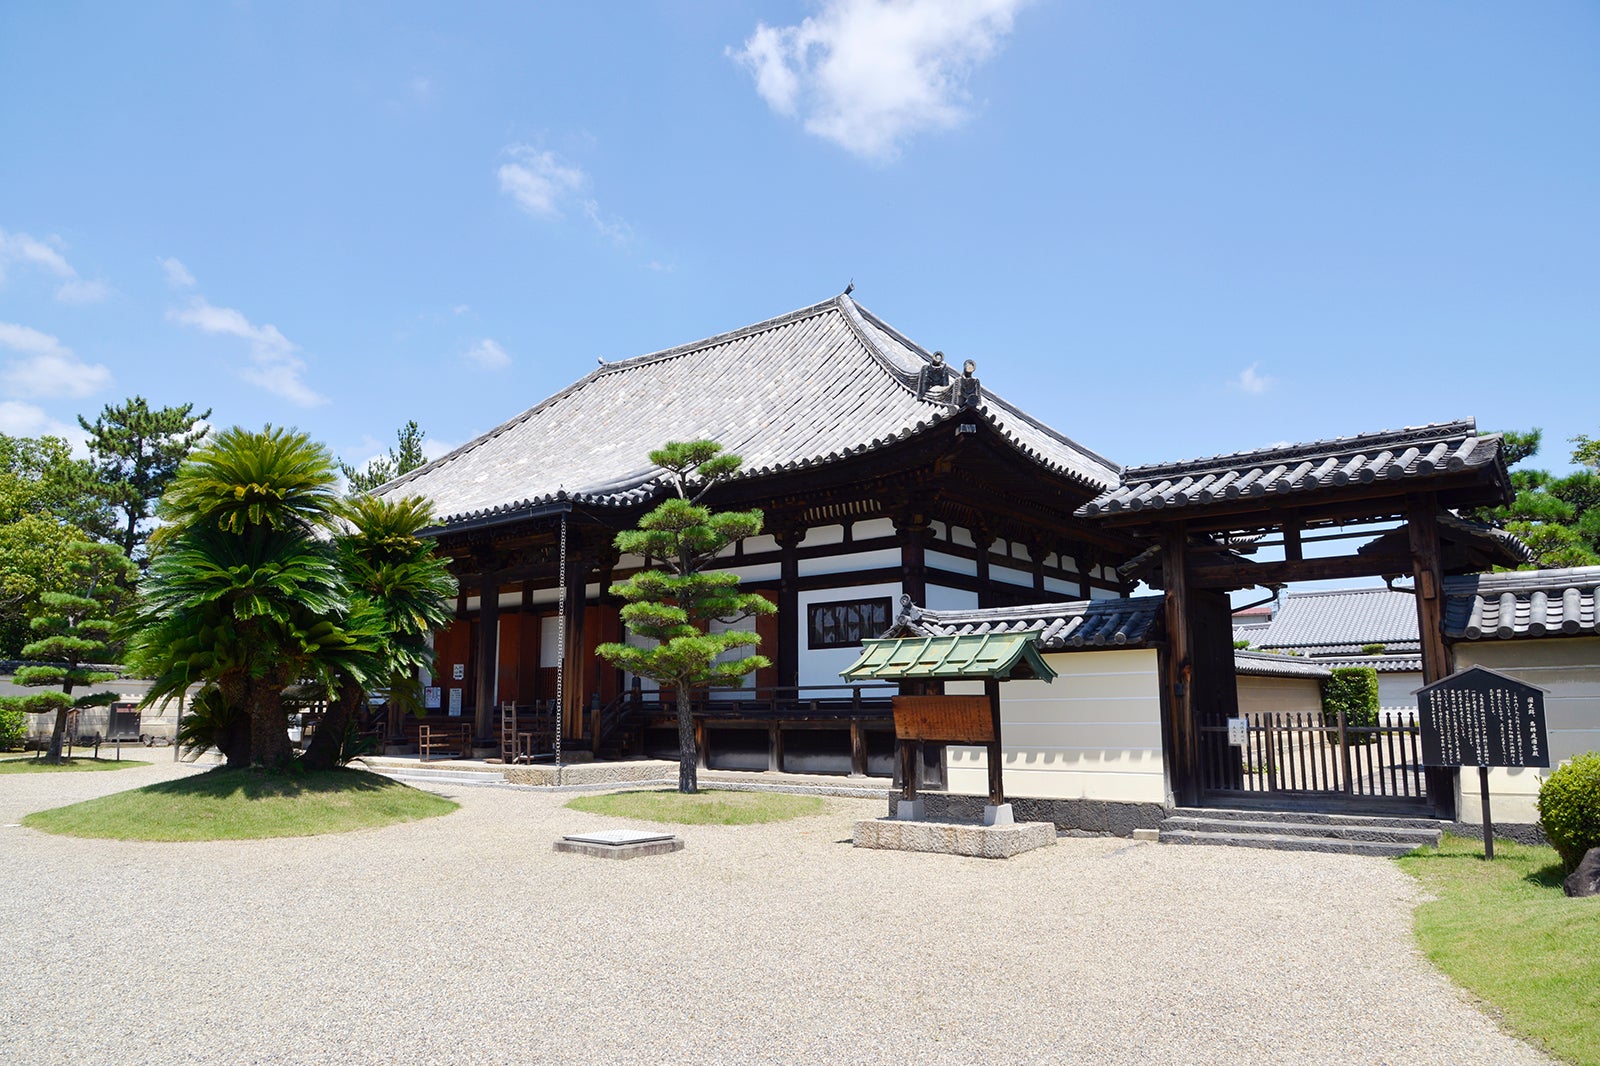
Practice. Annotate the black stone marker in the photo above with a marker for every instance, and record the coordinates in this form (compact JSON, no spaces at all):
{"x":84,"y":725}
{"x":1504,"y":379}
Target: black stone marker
{"x":1480,"y":717}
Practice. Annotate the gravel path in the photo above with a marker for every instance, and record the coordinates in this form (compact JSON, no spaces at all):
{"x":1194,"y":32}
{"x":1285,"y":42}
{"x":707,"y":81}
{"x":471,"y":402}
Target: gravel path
{"x":464,"y":939}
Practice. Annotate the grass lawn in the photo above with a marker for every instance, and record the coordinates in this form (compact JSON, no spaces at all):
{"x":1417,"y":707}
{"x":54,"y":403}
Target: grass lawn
{"x":28,"y":764}
{"x":245,"y":805}
{"x":702,"y":808}
{"x":1505,"y":931}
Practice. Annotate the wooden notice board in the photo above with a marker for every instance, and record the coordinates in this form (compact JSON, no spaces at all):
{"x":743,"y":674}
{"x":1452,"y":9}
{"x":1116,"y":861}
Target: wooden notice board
{"x":945,"y":719}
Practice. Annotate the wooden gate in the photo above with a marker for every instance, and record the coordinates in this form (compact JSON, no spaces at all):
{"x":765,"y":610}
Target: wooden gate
{"x":1291,"y":755}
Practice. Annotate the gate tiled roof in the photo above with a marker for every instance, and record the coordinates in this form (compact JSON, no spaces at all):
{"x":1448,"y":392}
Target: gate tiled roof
{"x":1410,"y":455}
{"x":1523,"y":603}
{"x":807,"y":388}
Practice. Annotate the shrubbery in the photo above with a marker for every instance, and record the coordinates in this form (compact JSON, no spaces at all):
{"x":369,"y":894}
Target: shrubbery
{"x":1354,"y":690}
{"x":13,"y":729}
{"x":1569,"y":808}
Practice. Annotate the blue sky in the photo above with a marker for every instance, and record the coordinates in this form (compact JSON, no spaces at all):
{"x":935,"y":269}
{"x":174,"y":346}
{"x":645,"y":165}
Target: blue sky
{"x":1168,"y":230}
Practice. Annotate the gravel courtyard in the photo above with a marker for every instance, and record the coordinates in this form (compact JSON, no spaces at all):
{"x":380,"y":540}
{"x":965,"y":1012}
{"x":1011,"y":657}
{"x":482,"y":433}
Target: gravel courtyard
{"x":464,"y":939}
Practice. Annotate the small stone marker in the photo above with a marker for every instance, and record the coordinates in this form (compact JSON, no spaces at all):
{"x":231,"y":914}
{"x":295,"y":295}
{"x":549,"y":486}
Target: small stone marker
{"x":618,"y":843}
{"x":1585,"y":880}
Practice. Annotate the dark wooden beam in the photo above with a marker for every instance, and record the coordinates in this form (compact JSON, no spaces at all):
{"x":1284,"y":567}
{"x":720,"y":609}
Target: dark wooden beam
{"x":1422,"y":526}
{"x":1242,"y":574}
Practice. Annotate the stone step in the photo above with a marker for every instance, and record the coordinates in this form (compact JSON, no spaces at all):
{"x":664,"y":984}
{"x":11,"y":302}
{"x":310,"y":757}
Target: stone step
{"x":1328,"y":845}
{"x":441,"y":777}
{"x":1248,"y":814}
{"x":1411,"y":835}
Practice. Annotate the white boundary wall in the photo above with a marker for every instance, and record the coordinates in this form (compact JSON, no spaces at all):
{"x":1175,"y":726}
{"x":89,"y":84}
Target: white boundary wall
{"x":1568,"y":668}
{"x":1093,"y":733}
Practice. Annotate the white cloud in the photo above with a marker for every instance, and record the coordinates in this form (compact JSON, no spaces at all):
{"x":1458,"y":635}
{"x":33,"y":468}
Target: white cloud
{"x":545,"y":185}
{"x":273,"y":365}
{"x":78,"y":291}
{"x":178,"y":275}
{"x":539,"y":181}
{"x":47,"y":256}
{"x":26,"y":420}
{"x":487,"y":355}
{"x":867,"y":74}
{"x":46,"y":367}
{"x":1251,"y":382}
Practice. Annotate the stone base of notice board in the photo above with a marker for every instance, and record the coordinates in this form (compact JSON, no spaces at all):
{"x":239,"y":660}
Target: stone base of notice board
{"x":1075,"y":817}
{"x":954,"y":838}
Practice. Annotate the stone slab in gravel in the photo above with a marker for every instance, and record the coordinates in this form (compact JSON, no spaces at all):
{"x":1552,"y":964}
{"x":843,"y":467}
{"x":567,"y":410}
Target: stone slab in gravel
{"x":465,"y":939}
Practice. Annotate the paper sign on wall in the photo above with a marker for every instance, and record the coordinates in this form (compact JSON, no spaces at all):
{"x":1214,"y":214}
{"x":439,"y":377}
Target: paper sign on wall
{"x":455,"y":703}
{"x":1239,"y":732}
{"x":431,"y":696}
{"x":458,"y":671}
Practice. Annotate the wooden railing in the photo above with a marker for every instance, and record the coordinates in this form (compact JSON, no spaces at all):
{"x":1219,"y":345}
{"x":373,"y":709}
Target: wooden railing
{"x":785,"y":702}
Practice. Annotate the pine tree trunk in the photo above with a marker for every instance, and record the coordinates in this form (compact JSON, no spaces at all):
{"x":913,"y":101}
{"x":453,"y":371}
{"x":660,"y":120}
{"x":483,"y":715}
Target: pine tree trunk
{"x":688,"y":756}
{"x":57,"y":734}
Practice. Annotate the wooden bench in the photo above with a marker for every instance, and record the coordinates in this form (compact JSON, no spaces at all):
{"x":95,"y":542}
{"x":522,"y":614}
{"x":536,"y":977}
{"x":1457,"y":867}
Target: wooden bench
{"x":455,"y":739}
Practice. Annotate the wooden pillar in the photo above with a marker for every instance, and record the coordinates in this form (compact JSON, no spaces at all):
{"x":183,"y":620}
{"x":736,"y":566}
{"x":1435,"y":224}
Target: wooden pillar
{"x":983,"y":540}
{"x":1427,"y":571}
{"x":788,"y":652}
{"x":997,"y":792}
{"x":912,"y":528}
{"x":1086,"y":562}
{"x":1036,"y":554}
{"x":488,"y":653}
{"x":1178,"y":676}
{"x":574,"y":698}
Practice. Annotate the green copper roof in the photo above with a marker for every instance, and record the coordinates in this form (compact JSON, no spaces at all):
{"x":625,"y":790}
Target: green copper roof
{"x":966,"y":657}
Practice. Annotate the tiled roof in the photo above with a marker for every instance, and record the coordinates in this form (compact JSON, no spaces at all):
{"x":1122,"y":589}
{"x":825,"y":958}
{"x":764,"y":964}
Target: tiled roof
{"x":966,"y":656}
{"x":1523,"y":603}
{"x":1340,"y":622}
{"x":1384,"y":664}
{"x":1079,"y":624}
{"x":1412,"y":454}
{"x":807,"y":388}
{"x":1261,"y":664}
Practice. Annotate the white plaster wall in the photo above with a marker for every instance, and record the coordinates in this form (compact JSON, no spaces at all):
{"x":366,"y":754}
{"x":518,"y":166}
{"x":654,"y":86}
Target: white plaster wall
{"x":1067,"y":590}
{"x":941,"y":598}
{"x":872,"y":527}
{"x":1093,"y":733}
{"x":845,"y":564}
{"x":821,"y":666}
{"x":954,"y":564}
{"x":1568,"y":668}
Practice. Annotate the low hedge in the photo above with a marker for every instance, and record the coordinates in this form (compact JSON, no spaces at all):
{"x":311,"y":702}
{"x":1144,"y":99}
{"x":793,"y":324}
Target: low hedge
{"x":1354,"y":690}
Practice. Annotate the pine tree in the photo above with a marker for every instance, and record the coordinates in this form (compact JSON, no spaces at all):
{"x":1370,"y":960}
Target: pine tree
{"x":73,"y":632}
{"x":402,"y":459}
{"x":137,"y":453}
{"x":675,"y":606}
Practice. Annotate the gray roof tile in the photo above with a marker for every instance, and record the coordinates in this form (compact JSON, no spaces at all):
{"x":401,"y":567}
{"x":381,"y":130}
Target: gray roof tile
{"x":1075,"y":625}
{"x":1342,"y":620}
{"x":809,"y":387}
{"x":1523,"y":603}
{"x":1262,"y":664}
{"x":1411,"y":454}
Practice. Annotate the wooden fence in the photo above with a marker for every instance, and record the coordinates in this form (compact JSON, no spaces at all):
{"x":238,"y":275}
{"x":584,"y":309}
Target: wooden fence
{"x":1302,"y":754}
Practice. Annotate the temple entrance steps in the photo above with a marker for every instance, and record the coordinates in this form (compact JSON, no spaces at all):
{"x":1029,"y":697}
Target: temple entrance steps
{"x":413,"y":772}
{"x":1344,"y":834}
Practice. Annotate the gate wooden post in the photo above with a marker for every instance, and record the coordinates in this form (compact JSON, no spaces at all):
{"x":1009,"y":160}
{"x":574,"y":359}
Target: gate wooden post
{"x":1344,"y":752}
{"x":997,"y":796}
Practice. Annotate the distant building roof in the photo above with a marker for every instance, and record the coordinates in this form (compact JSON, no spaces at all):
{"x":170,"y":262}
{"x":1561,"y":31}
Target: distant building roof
{"x":1384,"y":664}
{"x":807,"y":388}
{"x":1343,"y":621}
{"x":1262,"y":664}
{"x":1523,"y":603}
{"x":1079,"y":624}
{"x":1410,"y":455}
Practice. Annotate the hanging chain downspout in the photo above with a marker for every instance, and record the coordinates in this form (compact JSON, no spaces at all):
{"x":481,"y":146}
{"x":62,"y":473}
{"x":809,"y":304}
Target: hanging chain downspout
{"x":561,"y":642}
